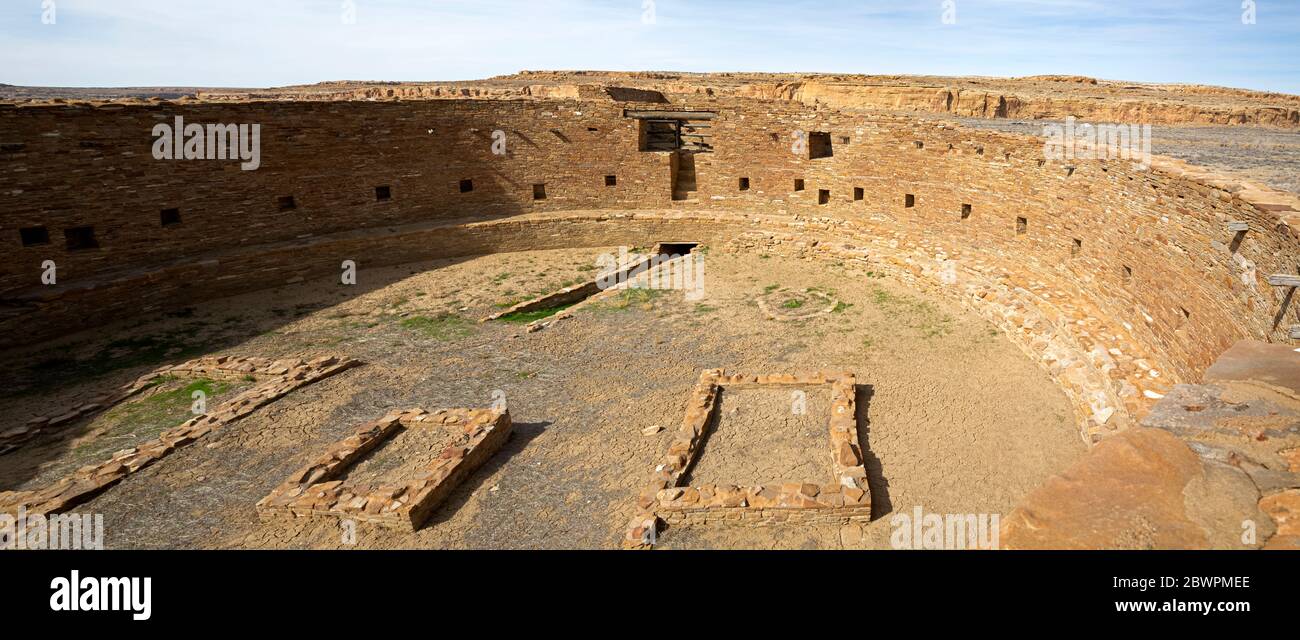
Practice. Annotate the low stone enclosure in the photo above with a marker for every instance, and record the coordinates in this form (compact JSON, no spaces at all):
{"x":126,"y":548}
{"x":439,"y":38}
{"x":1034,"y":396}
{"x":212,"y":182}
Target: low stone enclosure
{"x":632,"y":269}
{"x":322,"y":487}
{"x":275,"y":378}
{"x":841,"y":498}
{"x":1121,"y":282}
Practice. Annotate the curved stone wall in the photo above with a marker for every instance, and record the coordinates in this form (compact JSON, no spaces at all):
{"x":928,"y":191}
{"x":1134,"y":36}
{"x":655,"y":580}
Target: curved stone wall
{"x":1121,"y":281}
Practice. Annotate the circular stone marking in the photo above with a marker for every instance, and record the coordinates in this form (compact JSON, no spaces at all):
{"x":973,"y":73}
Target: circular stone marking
{"x":787,"y":305}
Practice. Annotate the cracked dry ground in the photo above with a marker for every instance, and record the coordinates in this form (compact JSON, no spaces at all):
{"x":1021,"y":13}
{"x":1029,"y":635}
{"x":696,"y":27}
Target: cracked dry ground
{"x":954,"y":418}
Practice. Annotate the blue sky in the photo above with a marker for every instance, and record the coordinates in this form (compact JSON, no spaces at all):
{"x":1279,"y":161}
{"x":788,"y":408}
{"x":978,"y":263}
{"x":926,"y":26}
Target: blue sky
{"x":276,"y":42}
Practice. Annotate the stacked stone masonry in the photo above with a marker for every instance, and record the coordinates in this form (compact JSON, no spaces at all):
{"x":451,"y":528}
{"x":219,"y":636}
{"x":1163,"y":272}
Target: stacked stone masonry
{"x":320,"y":488}
{"x":275,"y":378}
{"x":841,"y":498}
{"x":1121,"y":281}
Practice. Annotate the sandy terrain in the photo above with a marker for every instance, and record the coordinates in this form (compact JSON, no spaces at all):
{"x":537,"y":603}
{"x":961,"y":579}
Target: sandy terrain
{"x":953,"y":417}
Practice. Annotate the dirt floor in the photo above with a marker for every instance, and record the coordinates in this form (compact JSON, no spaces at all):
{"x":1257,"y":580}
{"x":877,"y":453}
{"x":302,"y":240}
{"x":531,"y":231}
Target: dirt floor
{"x":952,"y":416}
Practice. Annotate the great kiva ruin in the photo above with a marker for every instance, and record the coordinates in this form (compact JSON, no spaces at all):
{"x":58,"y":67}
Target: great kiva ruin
{"x":654,"y":311}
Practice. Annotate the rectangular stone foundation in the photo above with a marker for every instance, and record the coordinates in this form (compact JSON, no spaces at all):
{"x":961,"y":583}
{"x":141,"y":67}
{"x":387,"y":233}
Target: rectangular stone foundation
{"x":842,"y":498}
{"x":314,"y":491}
{"x":275,"y":378}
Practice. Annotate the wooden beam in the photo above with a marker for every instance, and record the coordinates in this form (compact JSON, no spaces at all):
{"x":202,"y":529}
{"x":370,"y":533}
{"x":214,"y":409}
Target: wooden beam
{"x":1295,"y":332}
{"x":1284,"y":280}
{"x":1238,"y":227}
{"x":670,"y":115}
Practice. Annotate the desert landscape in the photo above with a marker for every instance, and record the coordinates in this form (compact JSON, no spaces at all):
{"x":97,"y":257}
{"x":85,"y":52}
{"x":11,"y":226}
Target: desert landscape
{"x":418,"y":347}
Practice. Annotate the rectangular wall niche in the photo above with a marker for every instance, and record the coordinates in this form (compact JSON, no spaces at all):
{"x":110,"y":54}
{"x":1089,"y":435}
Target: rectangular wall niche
{"x":859,"y":193}
{"x":539,"y":192}
{"x":611,"y":181}
{"x":909,"y":201}
{"x":823,"y":196}
{"x":798,"y":184}
{"x":1022,"y":226}
{"x":843,"y":497}
{"x":383,"y":193}
{"x":466,"y":186}
{"x":369,"y":477}
{"x":34,"y":236}
{"x":170,"y":217}
{"x":80,"y":238}
{"x":819,"y":145}
{"x":965,"y":211}
{"x":286,"y":203}
{"x":744,"y":184}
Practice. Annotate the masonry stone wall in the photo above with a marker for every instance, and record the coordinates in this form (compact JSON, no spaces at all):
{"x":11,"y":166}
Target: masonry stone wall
{"x":1136,"y":269}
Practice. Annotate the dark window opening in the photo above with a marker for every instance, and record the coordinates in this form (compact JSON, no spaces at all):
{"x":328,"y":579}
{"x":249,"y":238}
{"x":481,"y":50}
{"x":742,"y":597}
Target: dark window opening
{"x":909,"y":201}
{"x":286,"y":203}
{"x":979,"y":150}
{"x":859,"y":193}
{"x":170,"y":217}
{"x":676,"y":248}
{"x":919,"y":144}
{"x":776,"y":137}
{"x":965,"y":211}
{"x":592,"y":129}
{"x":823,"y":196}
{"x":383,"y":193}
{"x":819,"y":145}
{"x":1069,"y":171}
{"x":466,"y":186}
{"x":1022,"y":226}
{"x":539,"y":192}
{"x":844,"y":139}
{"x":80,"y":238}
{"x":33,"y":236}
{"x":611,"y":181}
{"x":798,"y":184}
{"x":744,"y":184}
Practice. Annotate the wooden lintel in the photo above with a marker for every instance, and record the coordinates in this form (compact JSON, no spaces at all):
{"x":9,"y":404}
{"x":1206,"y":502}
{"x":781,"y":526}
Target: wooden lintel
{"x":669,"y":115}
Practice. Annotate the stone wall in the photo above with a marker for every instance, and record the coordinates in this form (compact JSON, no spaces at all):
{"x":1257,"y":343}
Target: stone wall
{"x":1133,"y":273}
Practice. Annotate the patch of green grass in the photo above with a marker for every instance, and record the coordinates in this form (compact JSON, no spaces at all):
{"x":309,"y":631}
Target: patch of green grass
{"x":700,"y":307}
{"x":525,"y":317}
{"x":771,"y":287}
{"x":444,"y":327}
{"x":841,"y":307}
{"x":793,"y":303}
{"x":627,"y":298}
{"x":144,"y":419}
{"x":142,"y":351}
{"x":918,"y":314}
